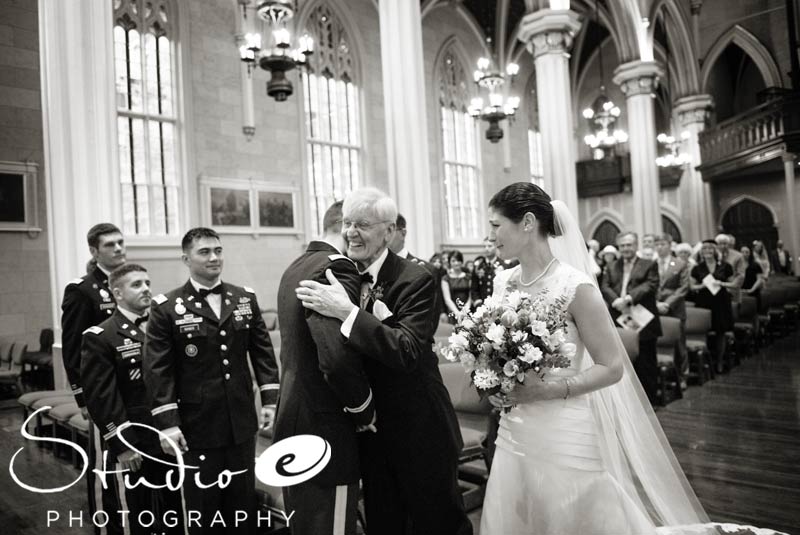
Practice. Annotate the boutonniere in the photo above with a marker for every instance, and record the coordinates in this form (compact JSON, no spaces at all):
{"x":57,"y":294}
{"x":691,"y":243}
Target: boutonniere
{"x":375,"y":293}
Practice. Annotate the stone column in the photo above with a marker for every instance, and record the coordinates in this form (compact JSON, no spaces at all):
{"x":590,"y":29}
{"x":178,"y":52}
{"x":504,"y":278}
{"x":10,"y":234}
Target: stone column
{"x":407,"y":133}
{"x":638,"y":80}
{"x":695,"y":7}
{"x":548,"y":34}
{"x":791,"y":207}
{"x":693,"y":113}
{"x":80,"y":147}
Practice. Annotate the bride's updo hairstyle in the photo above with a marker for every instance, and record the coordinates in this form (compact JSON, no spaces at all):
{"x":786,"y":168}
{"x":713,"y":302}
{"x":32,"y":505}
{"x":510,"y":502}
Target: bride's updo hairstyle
{"x":519,"y":198}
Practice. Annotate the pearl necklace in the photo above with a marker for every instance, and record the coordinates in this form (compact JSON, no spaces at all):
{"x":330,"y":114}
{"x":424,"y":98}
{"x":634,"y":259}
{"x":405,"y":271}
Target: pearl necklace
{"x":542,"y":274}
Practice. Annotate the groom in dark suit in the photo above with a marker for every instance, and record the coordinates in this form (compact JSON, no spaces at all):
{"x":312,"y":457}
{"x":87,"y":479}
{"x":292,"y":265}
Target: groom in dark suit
{"x":409,"y":467}
{"x":631,"y":281}
{"x":324,"y":390}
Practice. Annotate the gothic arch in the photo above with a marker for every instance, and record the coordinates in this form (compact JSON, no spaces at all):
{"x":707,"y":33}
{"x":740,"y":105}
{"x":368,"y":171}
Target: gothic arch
{"x":467,"y":18}
{"x":748,"y":42}
{"x":679,"y":38}
{"x":744,"y":197}
{"x":603,"y":215}
{"x":345,"y":18}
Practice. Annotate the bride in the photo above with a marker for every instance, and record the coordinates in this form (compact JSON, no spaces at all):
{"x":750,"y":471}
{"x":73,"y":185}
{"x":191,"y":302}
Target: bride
{"x":581,"y":451}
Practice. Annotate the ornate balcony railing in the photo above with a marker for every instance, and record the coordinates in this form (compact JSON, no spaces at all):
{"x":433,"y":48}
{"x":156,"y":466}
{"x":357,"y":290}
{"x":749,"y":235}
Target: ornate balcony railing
{"x":751,"y":138}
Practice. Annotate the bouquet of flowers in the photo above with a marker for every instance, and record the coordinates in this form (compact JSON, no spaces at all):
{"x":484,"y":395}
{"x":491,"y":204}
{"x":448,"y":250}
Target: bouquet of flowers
{"x":503,"y":339}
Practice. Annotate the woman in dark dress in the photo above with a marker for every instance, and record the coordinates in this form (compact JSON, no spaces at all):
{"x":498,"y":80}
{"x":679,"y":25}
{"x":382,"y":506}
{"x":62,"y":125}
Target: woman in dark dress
{"x":719,"y":304}
{"x":456,"y":286}
{"x":754,"y":276}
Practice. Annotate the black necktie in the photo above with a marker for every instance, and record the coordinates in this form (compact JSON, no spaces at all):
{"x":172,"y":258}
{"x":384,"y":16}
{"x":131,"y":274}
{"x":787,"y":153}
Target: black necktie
{"x":139,"y":321}
{"x":367,"y":277}
{"x":215,"y":290}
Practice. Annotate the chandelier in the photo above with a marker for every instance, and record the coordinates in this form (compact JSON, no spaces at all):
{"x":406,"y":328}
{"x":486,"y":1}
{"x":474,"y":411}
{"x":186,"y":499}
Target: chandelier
{"x":277,"y":56}
{"x":602,"y":116}
{"x":489,"y":78}
{"x":673,"y":157}
{"x":603,"y":113}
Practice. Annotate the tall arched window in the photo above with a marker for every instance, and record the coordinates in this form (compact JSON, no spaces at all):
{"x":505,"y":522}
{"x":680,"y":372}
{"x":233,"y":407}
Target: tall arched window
{"x":147,"y":120}
{"x":535,"y":156}
{"x":459,"y":151}
{"x":332,"y":116}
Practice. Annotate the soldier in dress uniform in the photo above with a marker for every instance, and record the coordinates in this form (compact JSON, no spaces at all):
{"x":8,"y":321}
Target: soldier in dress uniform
{"x":87,"y":302}
{"x":398,"y":246}
{"x":324,"y":389}
{"x":111,"y":366}
{"x":196,"y":369}
{"x":483,"y":273}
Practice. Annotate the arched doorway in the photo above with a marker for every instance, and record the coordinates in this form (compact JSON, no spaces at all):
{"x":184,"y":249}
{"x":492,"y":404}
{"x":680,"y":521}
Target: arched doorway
{"x":606,"y":233}
{"x":671,"y":228}
{"x":749,"y":220}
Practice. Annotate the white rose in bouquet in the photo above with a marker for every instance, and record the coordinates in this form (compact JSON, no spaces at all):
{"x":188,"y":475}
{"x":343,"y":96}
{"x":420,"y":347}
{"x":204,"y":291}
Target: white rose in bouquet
{"x":568,"y":350}
{"x":538,"y":328}
{"x":556,"y":339}
{"x":496,"y":333}
{"x":532,"y":354}
{"x":467,"y":323}
{"x":458,"y":340}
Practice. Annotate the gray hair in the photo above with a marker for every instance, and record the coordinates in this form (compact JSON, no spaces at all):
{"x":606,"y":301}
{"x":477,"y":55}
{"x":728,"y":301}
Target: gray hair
{"x":371,"y":199}
{"x":683,"y":247}
{"x":627,"y":233}
{"x":723,"y":238}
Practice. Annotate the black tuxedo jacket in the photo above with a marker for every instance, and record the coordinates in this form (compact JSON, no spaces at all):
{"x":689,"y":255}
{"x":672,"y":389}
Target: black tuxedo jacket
{"x":111,"y":368}
{"x":324,"y":389}
{"x":642,"y":288}
{"x":416,"y":421}
{"x":196,"y":368}
{"x":87,"y":302}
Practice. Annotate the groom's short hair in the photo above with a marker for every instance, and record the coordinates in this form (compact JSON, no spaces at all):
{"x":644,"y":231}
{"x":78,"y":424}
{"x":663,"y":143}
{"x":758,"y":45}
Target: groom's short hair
{"x":373,"y":199}
{"x":332,"y":220}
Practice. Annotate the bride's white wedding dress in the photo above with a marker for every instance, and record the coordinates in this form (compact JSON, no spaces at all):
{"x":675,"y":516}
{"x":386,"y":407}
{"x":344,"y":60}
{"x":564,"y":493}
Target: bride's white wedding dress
{"x":549,"y":475}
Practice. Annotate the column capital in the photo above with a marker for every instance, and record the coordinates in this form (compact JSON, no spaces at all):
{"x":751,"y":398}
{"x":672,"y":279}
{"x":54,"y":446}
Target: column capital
{"x":549,"y":31}
{"x":693,"y":109}
{"x":695,"y":6}
{"x":638,"y":77}
{"x":788,"y":157}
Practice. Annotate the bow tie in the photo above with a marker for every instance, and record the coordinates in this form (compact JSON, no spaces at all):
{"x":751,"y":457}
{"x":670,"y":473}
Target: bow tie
{"x":215,"y":290}
{"x":367,"y":277}
{"x":140,"y":320}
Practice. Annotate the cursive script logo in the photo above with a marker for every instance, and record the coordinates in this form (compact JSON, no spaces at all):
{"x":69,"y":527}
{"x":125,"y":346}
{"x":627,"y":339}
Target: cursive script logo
{"x":287,"y":462}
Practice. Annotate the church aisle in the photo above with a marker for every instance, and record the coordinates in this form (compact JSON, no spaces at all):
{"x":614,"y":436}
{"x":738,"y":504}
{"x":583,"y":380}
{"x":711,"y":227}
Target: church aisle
{"x":736,"y":438}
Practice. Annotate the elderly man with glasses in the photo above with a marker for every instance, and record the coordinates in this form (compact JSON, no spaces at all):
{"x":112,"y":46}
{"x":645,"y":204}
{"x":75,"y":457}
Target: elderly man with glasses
{"x":409,"y":465}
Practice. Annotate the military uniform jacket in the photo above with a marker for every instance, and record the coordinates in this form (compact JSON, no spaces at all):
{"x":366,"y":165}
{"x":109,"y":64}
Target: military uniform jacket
{"x":111,"y":367}
{"x":196,"y":368}
{"x":87,"y":302}
{"x":416,"y":420}
{"x":324,"y":389}
{"x":482,"y":285}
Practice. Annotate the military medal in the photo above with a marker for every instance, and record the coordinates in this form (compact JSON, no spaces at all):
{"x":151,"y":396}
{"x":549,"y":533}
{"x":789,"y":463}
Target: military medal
{"x":104,"y":294}
{"x":180,"y":309}
{"x":191,"y":350}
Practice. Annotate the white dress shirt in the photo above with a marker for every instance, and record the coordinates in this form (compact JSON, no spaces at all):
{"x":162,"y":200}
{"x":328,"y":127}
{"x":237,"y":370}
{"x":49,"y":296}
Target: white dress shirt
{"x":373,"y":270}
{"x":132,"y":317}
{"x":214,"y":300}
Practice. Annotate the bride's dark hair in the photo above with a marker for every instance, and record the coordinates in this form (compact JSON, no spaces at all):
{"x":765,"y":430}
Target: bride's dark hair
{"x":519,"y":198}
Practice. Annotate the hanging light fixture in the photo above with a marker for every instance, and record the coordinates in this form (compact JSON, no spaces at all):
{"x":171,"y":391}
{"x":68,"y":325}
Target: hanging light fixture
{"x":603,"y":114}
{"x":277,"y":56}
{"x":672,"y":156}
{"x":489,"y":78}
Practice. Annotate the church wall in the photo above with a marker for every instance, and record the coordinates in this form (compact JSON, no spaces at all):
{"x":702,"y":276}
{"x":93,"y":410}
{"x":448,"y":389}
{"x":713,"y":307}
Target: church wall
{"x":217,"y":148}
{"x":24,"y":263}
{"x":766,"y":19}
{"x":768,"y":189}
{"x":500,"y":165}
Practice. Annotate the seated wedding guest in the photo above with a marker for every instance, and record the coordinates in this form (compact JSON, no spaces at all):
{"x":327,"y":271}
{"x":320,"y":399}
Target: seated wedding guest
{"x":720,"y":304}
{"x":753,"y":276}
{"x":759,"y":253}
{"x":684,"y":252}
{"x":115,"y":394}
{"x":781,"y":259}
{"x":456,"y":286}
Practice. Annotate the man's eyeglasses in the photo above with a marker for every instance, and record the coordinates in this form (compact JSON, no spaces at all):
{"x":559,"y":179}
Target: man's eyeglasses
{"x":362,"y":226}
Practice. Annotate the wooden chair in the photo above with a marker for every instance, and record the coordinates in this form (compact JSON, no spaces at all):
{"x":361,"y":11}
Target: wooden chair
{"x":666,"y":349}
{"x":11,"y":365}
{"x":698,"y":325}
